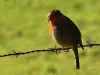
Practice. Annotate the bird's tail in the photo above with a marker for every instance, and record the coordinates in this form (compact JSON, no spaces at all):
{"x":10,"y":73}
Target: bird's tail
{"x":75,"y":49}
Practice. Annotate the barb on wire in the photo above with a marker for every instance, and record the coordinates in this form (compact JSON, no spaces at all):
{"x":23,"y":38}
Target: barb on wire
{"x":15,"y":53}
{"x":47,"y":50}
{"x":90,"y":44}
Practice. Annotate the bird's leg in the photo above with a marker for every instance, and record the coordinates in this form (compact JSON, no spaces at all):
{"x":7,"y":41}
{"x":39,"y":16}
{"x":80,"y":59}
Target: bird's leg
{"x":66,"y":50}
{"x":55,"y":50}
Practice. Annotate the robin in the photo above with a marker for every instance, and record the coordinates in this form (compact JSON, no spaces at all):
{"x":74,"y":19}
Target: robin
{"x":65,"y":32}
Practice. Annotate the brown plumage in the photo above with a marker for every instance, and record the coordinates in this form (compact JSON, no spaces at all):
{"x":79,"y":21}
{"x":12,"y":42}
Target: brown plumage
{"x":65,"y":32}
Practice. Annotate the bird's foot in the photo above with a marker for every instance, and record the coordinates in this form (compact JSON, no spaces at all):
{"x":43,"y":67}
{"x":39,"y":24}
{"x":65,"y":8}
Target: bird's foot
{"x":66,"y":50}
{"x":55,"y":50}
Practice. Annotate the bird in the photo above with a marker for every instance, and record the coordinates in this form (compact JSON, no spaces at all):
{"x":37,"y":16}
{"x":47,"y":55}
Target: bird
{"x":65,"y":32}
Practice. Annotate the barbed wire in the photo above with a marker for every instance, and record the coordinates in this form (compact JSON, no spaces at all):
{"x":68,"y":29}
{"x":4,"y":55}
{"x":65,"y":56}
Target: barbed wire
{"x":47,"y":50}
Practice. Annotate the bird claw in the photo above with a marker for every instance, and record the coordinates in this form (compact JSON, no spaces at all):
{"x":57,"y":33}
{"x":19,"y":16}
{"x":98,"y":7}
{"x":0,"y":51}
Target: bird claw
{"x":55,"y":50}
{"x":66,"y":50}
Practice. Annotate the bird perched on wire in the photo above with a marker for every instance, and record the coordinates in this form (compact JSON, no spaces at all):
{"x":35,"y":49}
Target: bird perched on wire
{"x":65,"y":32}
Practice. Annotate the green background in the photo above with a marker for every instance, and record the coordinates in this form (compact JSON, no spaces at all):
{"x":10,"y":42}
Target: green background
{"x":24,"y":27}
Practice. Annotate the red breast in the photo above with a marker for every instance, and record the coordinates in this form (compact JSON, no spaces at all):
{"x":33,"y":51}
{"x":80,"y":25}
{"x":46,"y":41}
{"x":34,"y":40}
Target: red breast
{"x":53,"y":17}
{"x":52,"y":26}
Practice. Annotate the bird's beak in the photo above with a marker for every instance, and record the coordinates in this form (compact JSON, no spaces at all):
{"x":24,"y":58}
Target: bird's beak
{"x":49,"y":20}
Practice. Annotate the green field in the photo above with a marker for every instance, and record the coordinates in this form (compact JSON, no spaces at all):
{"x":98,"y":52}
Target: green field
{"x":24,"y":27}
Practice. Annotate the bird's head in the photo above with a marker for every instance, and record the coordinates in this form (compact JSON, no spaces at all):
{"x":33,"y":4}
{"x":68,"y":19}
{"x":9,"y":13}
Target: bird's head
{"x":54,"y":15}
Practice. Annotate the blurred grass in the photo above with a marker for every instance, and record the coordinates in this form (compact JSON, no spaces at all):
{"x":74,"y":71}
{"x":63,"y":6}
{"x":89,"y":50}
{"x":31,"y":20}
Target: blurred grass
{"x":24,"y":26}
